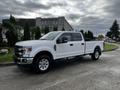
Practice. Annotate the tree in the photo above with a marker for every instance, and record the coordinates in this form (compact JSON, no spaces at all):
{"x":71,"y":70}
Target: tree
{"x":109,"y":34}
{"x":32,"y":30}
{"x":114,"y":31}
{"x":26,"y":32}
{"x":11,"y":37}
{"x":63,"y":29}
{"x":88,"y":35}
{"x":55,"y":29}
{"x":12,"y":19}
{"x":37,"y":33}
{"x":100,"y":37}
{"x":46,"y":30}
{"x":11,"y":34}
{"x":82,"y":31}
{"x":17,"y":27}
{"x":0,"y":37}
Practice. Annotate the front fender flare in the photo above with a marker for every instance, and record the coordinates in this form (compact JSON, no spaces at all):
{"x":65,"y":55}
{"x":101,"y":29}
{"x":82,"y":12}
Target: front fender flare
{"x":38,"y":50}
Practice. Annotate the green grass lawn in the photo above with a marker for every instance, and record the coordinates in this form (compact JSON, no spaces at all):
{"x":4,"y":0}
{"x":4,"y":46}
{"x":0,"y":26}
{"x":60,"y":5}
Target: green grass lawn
{"x":109,"y":47}
{"x":7,"y":57}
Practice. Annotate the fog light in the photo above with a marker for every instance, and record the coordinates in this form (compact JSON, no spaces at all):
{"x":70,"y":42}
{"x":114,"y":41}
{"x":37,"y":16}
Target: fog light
{"x":24,"y":60}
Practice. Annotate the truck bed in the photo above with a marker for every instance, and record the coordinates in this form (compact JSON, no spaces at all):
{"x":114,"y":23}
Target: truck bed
{"x":90,"y":46}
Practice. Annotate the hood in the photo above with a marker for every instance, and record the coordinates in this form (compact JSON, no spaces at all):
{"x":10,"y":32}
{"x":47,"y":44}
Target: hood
{"x":32,"y":42}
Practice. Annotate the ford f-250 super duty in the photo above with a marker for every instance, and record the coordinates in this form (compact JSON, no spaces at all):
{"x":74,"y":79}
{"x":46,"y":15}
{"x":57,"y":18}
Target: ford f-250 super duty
{"x":53,"y":46}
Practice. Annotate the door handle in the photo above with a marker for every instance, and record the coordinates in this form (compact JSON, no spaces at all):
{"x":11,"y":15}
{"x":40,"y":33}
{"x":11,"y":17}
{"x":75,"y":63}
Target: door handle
{"x":82,"y":43}
{"x":71,"y":44}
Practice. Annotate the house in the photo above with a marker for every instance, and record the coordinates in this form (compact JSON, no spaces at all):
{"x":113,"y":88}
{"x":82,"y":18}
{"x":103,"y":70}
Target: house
{"x":54,"y":24}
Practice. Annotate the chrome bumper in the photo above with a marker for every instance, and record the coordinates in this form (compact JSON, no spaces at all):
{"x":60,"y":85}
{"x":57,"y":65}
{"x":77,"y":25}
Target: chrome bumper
{"x":23,"y":60}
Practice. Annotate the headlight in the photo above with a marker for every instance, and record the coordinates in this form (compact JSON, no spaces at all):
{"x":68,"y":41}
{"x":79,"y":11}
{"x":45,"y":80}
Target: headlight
{"x":27,"y":50}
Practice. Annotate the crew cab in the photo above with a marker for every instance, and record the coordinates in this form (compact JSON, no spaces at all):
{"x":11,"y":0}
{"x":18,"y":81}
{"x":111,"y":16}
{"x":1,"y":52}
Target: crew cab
{"x":55,"y":45}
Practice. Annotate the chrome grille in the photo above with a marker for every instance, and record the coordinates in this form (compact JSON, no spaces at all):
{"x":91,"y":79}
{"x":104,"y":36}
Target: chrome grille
{"x":18,"y":51}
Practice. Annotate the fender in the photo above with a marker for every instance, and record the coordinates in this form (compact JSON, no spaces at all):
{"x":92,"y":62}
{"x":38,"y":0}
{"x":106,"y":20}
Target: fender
{"x":100,"y":46}
{"x":37,"y":50}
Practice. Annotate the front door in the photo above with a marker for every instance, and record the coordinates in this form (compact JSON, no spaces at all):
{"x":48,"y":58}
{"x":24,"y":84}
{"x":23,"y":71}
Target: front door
{"x":64,"y":49}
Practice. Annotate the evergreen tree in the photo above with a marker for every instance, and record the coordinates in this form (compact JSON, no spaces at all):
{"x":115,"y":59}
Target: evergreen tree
{"x":0,"y":37}
{"x":109,"y":34}
{"x":11,"y":34}
{"x":63,"y":29}
{"x":46,"y":30}
{"x":88,"y":35}
{"x":82,"y":31}
{"x":26,"y":32}
{"x":33,"y":29}
{"x":114,"y":31}
{"x":55,"y":29}
{"x":37,"y":33}
{"x":11,"y":37}
{"x":12,"y":19}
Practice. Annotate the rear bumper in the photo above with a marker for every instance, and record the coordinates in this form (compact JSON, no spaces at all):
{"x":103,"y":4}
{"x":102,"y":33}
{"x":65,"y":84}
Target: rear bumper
{"x":23,"y":60}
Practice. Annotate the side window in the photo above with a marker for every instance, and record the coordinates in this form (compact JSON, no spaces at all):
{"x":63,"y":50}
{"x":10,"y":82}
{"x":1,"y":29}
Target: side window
{"x":76,"y":37}
{"x":67,"y":35}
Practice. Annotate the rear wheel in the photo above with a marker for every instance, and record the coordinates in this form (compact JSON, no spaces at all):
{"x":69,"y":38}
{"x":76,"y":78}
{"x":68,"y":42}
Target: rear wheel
{"x":96,"y":54}
{"x":42,"y":64}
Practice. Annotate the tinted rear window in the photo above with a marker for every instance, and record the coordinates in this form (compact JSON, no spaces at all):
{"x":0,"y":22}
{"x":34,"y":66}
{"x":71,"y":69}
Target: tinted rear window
{"x":76,"y":37}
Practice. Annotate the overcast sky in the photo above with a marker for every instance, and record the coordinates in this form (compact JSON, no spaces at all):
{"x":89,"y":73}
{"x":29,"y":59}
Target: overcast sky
{"x":94,"y":15}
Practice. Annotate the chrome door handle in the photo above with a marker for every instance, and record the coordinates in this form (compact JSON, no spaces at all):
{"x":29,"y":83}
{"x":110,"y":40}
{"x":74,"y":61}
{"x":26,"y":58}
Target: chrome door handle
{"x":82,"y":43}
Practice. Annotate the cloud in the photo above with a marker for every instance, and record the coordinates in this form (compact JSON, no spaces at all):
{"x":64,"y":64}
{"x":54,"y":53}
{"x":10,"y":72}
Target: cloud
{"x":113,"y":8}
{"x":95,"y":15}
{"x":34,"y":5}
{"x":17,"y":8}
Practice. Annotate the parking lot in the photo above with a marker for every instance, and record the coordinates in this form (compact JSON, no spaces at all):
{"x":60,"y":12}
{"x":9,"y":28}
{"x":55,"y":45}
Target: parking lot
{"x":82,"y":74}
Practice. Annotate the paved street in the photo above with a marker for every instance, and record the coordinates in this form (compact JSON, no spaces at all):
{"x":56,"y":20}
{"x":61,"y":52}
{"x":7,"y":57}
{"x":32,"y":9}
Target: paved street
{"x":84,"y":74}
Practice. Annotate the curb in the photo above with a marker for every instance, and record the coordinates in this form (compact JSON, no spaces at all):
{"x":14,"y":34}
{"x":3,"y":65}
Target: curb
{"x":7,"y":64}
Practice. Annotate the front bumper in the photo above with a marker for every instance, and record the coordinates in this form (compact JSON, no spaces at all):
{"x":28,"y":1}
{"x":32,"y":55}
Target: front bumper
{"x":23,"y":60}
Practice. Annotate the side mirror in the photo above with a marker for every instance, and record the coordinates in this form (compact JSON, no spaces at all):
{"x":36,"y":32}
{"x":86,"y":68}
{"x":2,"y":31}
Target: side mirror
{"x":63,"y":40}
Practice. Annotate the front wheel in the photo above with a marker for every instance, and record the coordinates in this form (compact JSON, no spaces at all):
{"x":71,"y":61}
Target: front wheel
{"x":96,"y":54}
{"x":42,"y":64}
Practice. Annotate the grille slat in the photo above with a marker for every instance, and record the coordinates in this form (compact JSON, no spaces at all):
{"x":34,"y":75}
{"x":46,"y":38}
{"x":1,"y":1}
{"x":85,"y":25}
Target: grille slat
{"x":18,"y":51}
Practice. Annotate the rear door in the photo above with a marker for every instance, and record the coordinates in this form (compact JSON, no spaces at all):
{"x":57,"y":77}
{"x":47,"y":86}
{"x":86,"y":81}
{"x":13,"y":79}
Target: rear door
{"x":78,"y":44}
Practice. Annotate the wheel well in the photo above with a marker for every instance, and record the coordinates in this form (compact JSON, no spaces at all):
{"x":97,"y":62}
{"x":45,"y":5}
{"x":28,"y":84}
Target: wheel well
{"x":98,"y":47}
{"x":45,"y":53}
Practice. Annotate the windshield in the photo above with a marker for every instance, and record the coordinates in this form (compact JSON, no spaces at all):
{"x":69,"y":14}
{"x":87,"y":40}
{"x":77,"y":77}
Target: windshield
{"x":50,"y":36}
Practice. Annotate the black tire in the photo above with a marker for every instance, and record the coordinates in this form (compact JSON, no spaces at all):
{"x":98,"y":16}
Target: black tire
{"x":42,"y":64}
{"x":96,"y":54}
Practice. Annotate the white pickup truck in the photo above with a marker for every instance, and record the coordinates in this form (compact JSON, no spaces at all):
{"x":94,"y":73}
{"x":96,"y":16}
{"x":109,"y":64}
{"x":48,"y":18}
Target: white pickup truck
{"x":53,"y":46}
